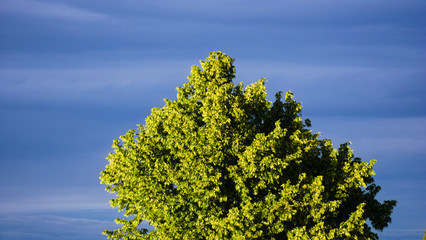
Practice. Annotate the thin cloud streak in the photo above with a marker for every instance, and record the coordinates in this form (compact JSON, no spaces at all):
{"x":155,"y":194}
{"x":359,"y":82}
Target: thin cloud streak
{"x":51,"y":227}
{"x":49,"y":9}
{"x":281,"y":25}
{"x":376,"y":135}
{"x":273,"y":13}
{"x":392,"y":91}
{"x":54,"y":203}
{"x":52,"y":219}
{"x":88,"y":86}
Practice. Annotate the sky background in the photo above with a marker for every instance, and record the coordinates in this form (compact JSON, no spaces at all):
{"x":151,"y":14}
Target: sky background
{"x":74,"y":75}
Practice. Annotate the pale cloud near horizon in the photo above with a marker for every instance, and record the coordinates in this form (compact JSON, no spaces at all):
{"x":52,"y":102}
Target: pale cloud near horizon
{"x":49,"y":226}
{"x":37,"y":203}
{"x":52,"y":226}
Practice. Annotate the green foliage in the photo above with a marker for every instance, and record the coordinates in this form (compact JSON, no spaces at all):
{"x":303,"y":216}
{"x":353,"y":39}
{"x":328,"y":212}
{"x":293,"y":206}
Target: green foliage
{"x":222,"y":162}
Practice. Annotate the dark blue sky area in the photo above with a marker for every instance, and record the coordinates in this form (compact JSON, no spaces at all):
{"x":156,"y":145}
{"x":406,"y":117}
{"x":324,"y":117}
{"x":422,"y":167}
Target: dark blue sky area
{"x":74,"y":75}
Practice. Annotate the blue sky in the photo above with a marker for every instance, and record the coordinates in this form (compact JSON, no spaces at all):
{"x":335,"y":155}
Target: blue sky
{"x":74,"y":75}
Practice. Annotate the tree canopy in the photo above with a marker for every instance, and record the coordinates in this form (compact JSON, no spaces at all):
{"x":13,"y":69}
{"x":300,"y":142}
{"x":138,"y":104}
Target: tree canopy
{"x":223,"y":162}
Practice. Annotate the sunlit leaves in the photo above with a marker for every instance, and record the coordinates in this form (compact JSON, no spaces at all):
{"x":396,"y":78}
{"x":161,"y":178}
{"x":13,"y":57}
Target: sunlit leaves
{"x":223,"y":162}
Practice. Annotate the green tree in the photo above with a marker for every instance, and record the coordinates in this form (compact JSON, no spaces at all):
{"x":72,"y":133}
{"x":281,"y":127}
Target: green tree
{"x":222,"y":162}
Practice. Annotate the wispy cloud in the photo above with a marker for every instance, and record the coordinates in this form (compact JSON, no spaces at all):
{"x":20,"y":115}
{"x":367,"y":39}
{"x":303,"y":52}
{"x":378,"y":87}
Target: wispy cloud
{"x":376,"y":135}
{"x":362,"y":91}
{"x":59,"y":220}
{"x":49,"y":9}
{"x":95,"y":85}
{"x":36,"y":203}
{"x":404,"y":234}
{"x":51,"y":227}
